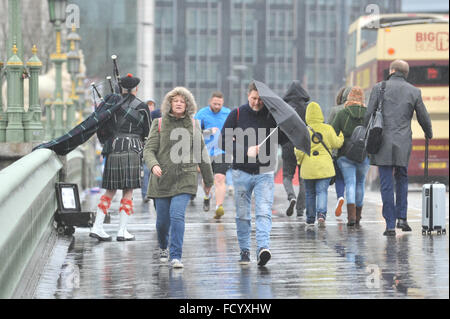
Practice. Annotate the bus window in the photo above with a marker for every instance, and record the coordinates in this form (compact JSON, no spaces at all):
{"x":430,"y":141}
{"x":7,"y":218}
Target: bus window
{"x":426,"y":75}
{"x":351,"y":52}
{"x":368,"y":38}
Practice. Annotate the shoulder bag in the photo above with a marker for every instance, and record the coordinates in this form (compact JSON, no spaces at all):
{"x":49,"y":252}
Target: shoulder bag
{"x":375,"y":127}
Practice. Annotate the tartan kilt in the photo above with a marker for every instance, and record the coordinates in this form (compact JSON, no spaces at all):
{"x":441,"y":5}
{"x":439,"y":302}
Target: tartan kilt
{"x":122,"y":171}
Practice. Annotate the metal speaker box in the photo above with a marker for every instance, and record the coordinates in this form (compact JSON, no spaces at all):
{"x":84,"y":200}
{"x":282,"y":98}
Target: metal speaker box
{"x":69,"y":214}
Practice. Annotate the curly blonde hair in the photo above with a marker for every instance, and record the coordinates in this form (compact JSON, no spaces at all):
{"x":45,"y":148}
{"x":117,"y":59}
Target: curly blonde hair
{"x":191,"y":105}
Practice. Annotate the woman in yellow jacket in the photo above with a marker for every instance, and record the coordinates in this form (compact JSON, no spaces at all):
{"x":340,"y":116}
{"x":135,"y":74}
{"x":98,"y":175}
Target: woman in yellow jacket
{"x":318,"y":169}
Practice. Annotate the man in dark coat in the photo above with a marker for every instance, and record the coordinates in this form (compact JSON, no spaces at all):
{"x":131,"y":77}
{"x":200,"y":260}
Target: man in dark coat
{"x":401,"y":100}
{"x":297,"y":97}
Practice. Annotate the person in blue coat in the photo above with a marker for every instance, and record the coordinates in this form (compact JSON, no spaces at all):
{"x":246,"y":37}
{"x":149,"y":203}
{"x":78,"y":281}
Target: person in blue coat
{"x":212,"y":118}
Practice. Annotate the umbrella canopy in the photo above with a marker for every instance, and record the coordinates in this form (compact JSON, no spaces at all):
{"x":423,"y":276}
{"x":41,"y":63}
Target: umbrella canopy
{"x":286,"y":117}
{"x":85,"y":130}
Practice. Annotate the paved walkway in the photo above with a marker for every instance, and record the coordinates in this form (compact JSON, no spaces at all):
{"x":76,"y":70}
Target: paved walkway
{"x":307,"y":262}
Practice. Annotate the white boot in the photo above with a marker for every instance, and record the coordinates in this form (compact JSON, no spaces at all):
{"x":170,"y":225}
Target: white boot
{"x":123,"y":234}
{"x":97,"y":230}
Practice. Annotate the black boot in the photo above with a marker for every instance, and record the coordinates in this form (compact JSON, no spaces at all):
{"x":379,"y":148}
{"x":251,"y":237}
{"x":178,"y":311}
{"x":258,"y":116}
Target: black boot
{"x":403,"y":224}
{"x":290,"y":209}
{"x":389,"y":232}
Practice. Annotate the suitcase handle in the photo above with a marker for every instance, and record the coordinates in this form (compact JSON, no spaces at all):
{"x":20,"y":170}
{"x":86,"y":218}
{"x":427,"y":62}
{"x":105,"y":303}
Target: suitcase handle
{"x":426,"y":159}
{"x":431,"y":208}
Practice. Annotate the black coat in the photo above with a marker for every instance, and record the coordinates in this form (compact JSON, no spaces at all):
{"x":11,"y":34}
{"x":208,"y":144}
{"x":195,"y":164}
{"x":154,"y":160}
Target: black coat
{"x":401,"y":100}
{"x":297,"y":97}
{"x":132,"y":119}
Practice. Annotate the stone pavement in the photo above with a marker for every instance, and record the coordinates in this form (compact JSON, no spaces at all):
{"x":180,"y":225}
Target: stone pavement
{"x":307,"y":262}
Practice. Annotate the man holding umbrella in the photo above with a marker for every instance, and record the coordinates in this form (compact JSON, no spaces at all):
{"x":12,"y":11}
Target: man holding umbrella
{"x":245,"y":133}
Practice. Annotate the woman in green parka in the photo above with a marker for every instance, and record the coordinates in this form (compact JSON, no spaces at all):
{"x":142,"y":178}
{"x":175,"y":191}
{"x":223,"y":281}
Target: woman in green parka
{"x":174,"y":150}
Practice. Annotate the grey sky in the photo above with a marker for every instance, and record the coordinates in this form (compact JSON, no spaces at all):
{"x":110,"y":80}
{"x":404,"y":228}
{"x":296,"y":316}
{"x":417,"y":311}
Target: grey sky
{"x":427,"y":6}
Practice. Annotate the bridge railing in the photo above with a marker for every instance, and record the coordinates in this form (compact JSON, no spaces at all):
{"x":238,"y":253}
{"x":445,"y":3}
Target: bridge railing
{"x":28,"y":203}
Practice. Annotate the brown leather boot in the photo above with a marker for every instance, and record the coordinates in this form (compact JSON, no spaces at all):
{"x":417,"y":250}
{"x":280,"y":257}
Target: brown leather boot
{"x":358,"y":215}
{"x":351,"y":214}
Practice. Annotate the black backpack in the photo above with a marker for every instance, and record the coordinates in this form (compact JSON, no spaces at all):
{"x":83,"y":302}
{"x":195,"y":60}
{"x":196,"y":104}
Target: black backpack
{"x":355,"y":149}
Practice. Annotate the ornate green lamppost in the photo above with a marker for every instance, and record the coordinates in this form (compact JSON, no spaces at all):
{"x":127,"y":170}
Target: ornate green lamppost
{"x":14,"y":130}
{"x":57,"y":12}
{"x":34,"y":131}
{"x":81,"y":96}
{"x":73,"y":67}
{"x":3,"y":116}
{"x":48,"y":135}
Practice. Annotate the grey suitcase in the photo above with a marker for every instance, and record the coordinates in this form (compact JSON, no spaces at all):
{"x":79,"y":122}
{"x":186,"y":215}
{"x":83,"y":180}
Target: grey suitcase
{"x":433,"y":203}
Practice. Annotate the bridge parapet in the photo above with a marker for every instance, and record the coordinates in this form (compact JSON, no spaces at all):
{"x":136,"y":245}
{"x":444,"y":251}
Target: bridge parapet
{"x":27,"y":206}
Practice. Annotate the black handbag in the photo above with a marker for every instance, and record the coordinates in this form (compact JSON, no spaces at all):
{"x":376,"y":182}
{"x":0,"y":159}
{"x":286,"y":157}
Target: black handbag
{"x":375,"y":127}
{"x":319,"y":137}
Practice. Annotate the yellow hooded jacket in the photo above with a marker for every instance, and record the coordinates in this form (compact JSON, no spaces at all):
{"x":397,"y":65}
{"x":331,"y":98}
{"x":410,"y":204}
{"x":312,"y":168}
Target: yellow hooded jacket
{"x":320,"y":164}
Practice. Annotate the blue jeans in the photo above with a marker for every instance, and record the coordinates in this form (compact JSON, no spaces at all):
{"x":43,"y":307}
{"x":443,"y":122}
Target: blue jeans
{"x":393,"y":209}
{"x":229,"y":177}
{"x":339,"y":184}
{"x":145,"y":180}
{"x":355,"y":179}
{"x":316,"y":197}
{"x":263,"y":186}
{"x":170,"y":212}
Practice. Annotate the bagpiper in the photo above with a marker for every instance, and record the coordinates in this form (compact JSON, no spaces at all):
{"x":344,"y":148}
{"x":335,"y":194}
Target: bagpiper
{"x":123,"y":138}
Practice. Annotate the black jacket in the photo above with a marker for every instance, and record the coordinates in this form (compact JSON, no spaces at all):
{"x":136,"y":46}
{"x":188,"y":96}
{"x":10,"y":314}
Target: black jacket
{"x":127,"y":129}
{"x":260,"y":123}
{"x":297,"y":97}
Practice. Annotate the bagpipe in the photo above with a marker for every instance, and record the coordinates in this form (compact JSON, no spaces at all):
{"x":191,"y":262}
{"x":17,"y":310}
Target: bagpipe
{"x":96,"y":121}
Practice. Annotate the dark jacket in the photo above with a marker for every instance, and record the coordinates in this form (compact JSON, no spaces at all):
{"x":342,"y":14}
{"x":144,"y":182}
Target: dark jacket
{"x":127,"y":129}
{"x":401,"y":100}
{"x":346,"y":121}
{"x":259,"y":122}
{"x":297,"y":97}
{"x":156,"y":114}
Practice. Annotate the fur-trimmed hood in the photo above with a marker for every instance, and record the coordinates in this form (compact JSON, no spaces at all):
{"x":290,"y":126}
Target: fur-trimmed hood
{"x":191,"y":105}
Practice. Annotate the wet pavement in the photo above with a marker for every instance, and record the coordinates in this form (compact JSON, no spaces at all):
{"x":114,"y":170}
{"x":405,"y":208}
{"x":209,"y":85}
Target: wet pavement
{"x":307,"y":262}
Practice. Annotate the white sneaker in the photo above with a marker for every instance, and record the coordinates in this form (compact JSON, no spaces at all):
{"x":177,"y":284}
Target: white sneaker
{"x":163,"y":255}
{"x":176,"y":263}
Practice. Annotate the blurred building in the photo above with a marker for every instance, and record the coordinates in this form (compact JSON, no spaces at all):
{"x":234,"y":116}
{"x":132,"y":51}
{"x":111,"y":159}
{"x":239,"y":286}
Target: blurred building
{"x":108,"y":27}
{"x":209,"y":45}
